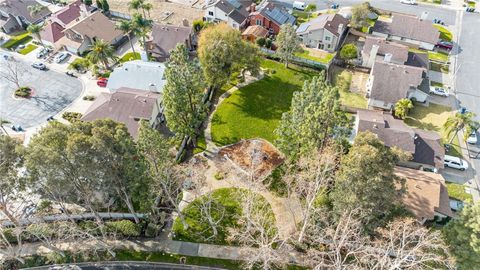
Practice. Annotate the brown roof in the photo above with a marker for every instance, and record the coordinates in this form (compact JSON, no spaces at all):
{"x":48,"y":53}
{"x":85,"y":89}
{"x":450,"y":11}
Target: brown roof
{"x":399,"y":52}
{"x":324,"y":21}
{"x":20,"y":8}
{"x":426,"y":193}
{"x":409,"y":27}
{"x":392,"y":82}
{"x":52,"y":32}
{"x":126,"y":105}
{"x":70,"y":12}
{"x":96,"y":26}
{"x":166,"y":37}
{"x":429,"y":148}
{"x":256,"y":31}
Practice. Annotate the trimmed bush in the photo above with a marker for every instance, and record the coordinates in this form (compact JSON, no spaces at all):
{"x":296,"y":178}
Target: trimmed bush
{"x":89,"y":98}
{"x":71,"y":116}
{"x":349,"y":51}
{"x":126,"y":228}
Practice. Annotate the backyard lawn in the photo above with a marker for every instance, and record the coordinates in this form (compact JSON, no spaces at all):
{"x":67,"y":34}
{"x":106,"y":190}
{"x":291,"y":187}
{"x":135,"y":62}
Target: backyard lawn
{"x":306,"y":55}
{"x":343,"y":78}
{"x":457,"y":191}
{"x":27,"y":49}
{"x":432,"y":118}
{"x":256,"y":109}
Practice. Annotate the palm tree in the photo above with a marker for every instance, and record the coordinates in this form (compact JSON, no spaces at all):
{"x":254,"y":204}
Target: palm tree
{"x":147,"y":7}
{"x":402,"y":107}
{"x":127,"y":28}
{"x":101,"y":51}
{"x":142,"y":27}
{"x":136,"y":5}
{"x":458,"y":122}
{"x":35,"y":30}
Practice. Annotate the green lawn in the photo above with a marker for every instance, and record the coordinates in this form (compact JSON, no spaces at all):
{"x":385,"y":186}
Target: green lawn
{"x":303,"y":16}
{"x":201,"y":144}
{"x":342,"y":78}
{"x":457,"y":191}
{"x":437,"y":84}
{"x":226,"y":208}
{"x":28,"y":49}
{"x":445,"y":34}
{"x":306,"y":55}
{"x":17,"y":40}
{"x":432,"y":118}
{"x":366,"y":28}
{"x":433,"y":56}
{"x":471,"y":4}
{"x":256,"y":109}
{"x":444,"y":68}
{"x":129,"y":57}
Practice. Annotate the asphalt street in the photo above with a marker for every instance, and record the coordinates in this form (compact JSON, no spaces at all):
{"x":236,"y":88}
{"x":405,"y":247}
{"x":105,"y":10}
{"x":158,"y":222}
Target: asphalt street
{"x":52,"y":92}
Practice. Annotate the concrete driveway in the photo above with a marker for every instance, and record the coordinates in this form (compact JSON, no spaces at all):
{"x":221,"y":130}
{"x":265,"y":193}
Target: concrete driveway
{"x":53,"y":92}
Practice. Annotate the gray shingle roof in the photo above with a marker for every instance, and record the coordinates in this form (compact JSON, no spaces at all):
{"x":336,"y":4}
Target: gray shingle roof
{"x":399,"y":52}
{"x":20,"y":8}
{"x":166,"y":37}
{"x":235,"y":9}
{"x":327,"y":21}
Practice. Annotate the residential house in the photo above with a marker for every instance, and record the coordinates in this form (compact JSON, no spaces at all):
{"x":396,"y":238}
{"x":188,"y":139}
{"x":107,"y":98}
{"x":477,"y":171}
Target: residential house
{"x":127,"y":106}
{"x":270,"y":16}
{"x":389,"y":82}
{"x":232,"y":12}
{"x":426,"y":195}
{"x":138,"y":74}
{"x":15,"y":15}
{"x":164,"y":38}
{"x":409,"y":30}
{"x":324,"y":32}
{"x":56,"y":24}
{"x":253,"y":32}
{"x":376,"y":48}
{"x":425,"y":147}
{"x":81,"y":33}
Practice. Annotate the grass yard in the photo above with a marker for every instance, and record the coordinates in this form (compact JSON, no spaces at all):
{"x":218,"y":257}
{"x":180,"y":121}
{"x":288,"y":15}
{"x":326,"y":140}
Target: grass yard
{"x":255,"y":110}
{"x":433,"y":56}
{"x":445,"y":34}
{"x":457,"y":191}
{"x":130,"y":56}
{"x":29,"y":48}
{"x":201,"y":144}
{"x":342,"y":78}
{"x":306,"y":55}
{"x":303,"y":16}
{"x":226,"y":207}
{"x":444,"y":68}
{"x":471,"y":4}
{"x":432,"y":118}
{"x":436,"y":84}
{"x":17,"y":40}
{"x":365,"y":29}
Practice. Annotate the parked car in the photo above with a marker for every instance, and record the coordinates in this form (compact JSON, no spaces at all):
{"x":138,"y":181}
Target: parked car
{"x":408,"y":2}
{"x":43,"y":52}
{"x":102,"y":82}
{"x":61,"y":57}
{"x":443,"y":44}
{"x":71,"y":74}
{"x":472,"y":138}
{"x":455,"y":163}
{"x":438,"y":91}
{"x":39,"y":65}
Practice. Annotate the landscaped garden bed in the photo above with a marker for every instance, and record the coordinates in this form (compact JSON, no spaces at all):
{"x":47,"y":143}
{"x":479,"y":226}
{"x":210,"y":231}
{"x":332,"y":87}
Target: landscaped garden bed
{"x":24,"y":92}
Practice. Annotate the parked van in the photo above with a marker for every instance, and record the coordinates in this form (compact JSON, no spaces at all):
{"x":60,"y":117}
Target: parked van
{"x":455,"y":163}
{"x":299,"y":5}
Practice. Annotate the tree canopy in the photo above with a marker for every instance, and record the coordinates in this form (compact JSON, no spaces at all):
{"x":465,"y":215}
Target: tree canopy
{"x":348,"y":51}
{"x":287,"y":42}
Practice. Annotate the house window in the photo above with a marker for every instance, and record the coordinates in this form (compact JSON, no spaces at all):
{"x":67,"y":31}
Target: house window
{"x":210,"y":13}
{"x":327,"y":38}
{"x":328,"y":46}
{"x":258,"y":22}
{"x":234,"y":25}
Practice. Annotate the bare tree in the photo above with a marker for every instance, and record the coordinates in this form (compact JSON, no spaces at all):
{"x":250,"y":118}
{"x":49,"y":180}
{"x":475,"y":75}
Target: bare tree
{"x":12,"y":72}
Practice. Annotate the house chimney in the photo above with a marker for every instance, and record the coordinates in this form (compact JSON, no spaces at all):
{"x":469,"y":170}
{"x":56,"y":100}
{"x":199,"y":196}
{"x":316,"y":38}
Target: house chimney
{"x":252,"y":7}
{"x":388,"y":58}
{"x":185,"y":22}
{"x":340,"y":29}
{"x":424,"y":16}
{"x":373,"y":55}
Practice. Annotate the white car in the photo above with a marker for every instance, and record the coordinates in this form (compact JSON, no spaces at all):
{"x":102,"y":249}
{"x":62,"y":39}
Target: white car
{"x":60,"y":57}
{"x":408,"y":2}
{"x":455,"y":163}
{"x":39,"y":65}
{"x":438,"y":91}
{"x":472,"y":138}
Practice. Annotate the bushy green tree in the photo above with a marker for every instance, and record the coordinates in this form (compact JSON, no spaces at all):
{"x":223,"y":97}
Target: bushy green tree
{"x":287,"y":43}
{"x":261,"y":41}
{"x":402,"y":107}
{"x":360,"y":14}
{"x":348,"y":51}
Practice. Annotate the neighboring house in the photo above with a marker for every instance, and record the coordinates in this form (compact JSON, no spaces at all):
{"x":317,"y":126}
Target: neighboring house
{"x":15,"y":14}
{"x":253,"y":32}
{"x":166,"y":37}
{"x":425,"y":147}
{"x":388,"y":83}
{"x":81,"y":33}
{"x":127,"y":106}
{"x":375,"y":49}
{"x":137,"y":74}
{"x":410,"y":30}
{"x":426,"y":195}
{"x":233,"y":12}
{"x":270,"y":16}
{"x":324,"y":32}
{"x":56,"y":24}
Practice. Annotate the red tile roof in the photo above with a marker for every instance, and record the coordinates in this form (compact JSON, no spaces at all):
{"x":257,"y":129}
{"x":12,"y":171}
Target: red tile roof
{"x":52,"y":32}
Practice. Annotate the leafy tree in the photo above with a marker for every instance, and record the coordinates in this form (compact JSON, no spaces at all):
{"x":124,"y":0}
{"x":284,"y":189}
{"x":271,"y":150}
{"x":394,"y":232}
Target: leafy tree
{"x":105,"y":6}
{"x":35,"y":30}
{"x":348,"y":51}
{"x":183,"y":94}
{"x":462,"y":235}
{"x":221,"y":53}
{"x":360,"y":14}
{"x":198,"y":25}
{"x":459,"y":121}
{"x":314,"y":117}
{"x":87,"y":2}
{"x":402,"y":107}
{"x":142,"y":28}
{"x":261,"y":41}
{"x":311,"y":7}
{"x":366,"y":181}
{"x":287,"y":42}
{"x":127,"y":28}
{"x":102,"y":52}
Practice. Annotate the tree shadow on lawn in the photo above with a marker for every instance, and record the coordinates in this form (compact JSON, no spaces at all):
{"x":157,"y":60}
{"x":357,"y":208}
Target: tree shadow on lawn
{"x":421,"y":125}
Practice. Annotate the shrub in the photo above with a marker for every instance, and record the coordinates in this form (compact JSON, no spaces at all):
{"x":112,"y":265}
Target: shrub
{"x":349,"y":51}
{"x":71,"y":116}
{"x":89,"y":98}
{"x":125,"y":227}
{"x":219,"y":175}
{"x":44,"y":206}
{"x":80,"y":64}
{"x":23,"y":92}
{"x":198,"y":25}
{"x":268,"y":43}
{"x":261,"y":41}
{"x":311,"y":7}
{"x":152,"y":230}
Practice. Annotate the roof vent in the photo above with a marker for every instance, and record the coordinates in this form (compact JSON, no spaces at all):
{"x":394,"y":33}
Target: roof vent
{"x":375,"y":126}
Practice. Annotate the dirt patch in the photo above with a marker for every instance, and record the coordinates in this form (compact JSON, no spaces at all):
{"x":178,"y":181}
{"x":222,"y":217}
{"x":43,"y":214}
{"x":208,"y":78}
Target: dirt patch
{"x":316,"y":52}
{"x":255,"y":154}
{"x":164,"y":12}
{"x":359,"y":81}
